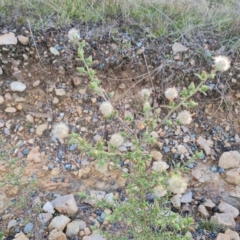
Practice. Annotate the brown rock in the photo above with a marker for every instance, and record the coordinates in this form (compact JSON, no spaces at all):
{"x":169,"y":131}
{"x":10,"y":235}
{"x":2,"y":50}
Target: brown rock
{"x":224,"y":219}
{"x":232,"y":234}
{"x":203,"y":143}
{"x":77,"y":81}
{"x":156,"y":155}
{"x":209,"y":204}
{"x":229,"y":160}
{"x":94,"y":236}
{"x":59,"y":223}
{"x":222,"y":236}
{"x":227,"y":208}
{"x":34,"y":155}
{"x":178,"y":47}
{"x":20,"y":236}
{"x":233,"y":176}
{"x":203,"y":211}
{"x":65,"y":204}
{"x":8,"y":39}
{"x":23,"y":40}
{"x":10,"y":110}
{"x":57,"y":235}
{"x":44,"y":218}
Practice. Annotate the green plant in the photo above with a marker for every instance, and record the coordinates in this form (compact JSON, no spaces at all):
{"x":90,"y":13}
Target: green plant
{"x":143,"y":217}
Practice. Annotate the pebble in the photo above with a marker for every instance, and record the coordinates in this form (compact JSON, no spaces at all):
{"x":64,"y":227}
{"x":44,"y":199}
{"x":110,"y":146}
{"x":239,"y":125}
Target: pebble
{"x":41,"y":128}
{"x":17,"y":86}
{"x":68,"y":166}
{"x":59,"y":222}
{"x":73,"y":147}
{"x":6,"y":131}
{"x":60,"y":92}
{"x":28,"y":228}
{"x":8,"y":39}
{"x":44,"y":218}
{"x":187,"y":197}
{"x":48,"y":207}
{"x":23,"y":40}
{"x":10,"y":110}
{"x":66,"y":204}
{"x":1,"y":99}
{"x":54,"y":51}
{"x":166,"y":149}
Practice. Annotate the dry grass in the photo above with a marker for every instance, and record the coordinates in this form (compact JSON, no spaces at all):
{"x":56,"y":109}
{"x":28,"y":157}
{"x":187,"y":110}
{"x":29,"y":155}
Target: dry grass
{"x":158,"y":17}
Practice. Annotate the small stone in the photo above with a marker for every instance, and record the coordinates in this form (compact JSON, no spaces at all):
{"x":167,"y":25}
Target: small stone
{"x":36,"y":83}
{"x":60,"y":92}
{"x":203,"y":143}
{"x":156,"y":155}
{"x":7,"y":216}
{"x":74,"y":227}
{"x":203,"y":211}
{"x":1,"y":99}
{"x":17,"y":86}
{"x":8,"y":39}
{"x":94,"y":236}
{"x":55,"y":100}
{"x":59,"y":222}
{"x":44,"y":218}
{"x":187,"y":197}
{"x":209,"y":204}
{"x":11,"y":224}
{"x":77,"y":81}
{"x":57,"y":235}
{"x":30,"y":118}
{"x":178,"y":47}
{"x":176,"y":201}
{"x":23,"y":40}
{"x":222,"y":236}
{"x":10,"y":110}
{"x":232,"y":234}
{"x":34,"y":155}
{"x":87,"y":231}
{"x":229,"y":159}
{"x":61,"y":70}
{"x":48,"y":207}
{"x":1,"y":71}
{"x":28,"y":228}
{"x":166,"y":149}
{"x":66,"y":204}
{"x":140,"y":51}
{"x":41,"y":128}
{"x":227,"y":208}
{"x":182,"y":149}
{"x":233,"y":176}
{"x":224,"y":219}
{"x":54,"y":51}
{"x":20,"y":236}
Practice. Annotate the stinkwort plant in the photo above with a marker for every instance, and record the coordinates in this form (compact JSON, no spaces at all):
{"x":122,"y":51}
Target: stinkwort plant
{"x":145,"y":212}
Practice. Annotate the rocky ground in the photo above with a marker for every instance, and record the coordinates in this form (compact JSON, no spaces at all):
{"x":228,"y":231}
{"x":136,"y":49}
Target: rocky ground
{"x":40,"y":87}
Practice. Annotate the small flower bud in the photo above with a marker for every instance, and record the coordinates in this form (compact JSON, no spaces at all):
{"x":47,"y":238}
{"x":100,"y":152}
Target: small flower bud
{"x":73,"y":35}
{"x":116,"y":140}
{"x":171,"y":93}
{"x":184,"y":117}
{"x":177,"y":184}
{"x":60,"y":131}
{"x":222,"y":63}
{"x":106,"y":109}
